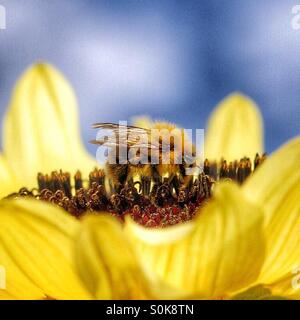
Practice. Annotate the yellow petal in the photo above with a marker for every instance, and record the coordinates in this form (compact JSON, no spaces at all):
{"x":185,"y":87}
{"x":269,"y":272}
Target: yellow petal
{"x":217,"y":253}
{"x":234,"y":129}
{"x":275,"y":186}
{"x":105,"y":260}
{"x":9,"y":183}
{"x":41,"y":131}
{"x":36,"y":246}
{"x":275,"y":178}
{"x":283,"y":239}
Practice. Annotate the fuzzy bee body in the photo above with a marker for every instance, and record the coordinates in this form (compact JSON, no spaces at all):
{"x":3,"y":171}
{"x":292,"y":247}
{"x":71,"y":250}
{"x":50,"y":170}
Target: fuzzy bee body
{"x":155,"y":171}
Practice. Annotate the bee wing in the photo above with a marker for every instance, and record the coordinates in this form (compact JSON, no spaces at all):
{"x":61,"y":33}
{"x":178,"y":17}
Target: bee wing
{"x":109,"y":144}
{"x":116,"y":127}
{"x":132,"y":138}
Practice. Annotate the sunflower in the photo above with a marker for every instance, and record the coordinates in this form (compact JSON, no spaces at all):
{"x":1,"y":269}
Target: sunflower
{"x":243,"y":244}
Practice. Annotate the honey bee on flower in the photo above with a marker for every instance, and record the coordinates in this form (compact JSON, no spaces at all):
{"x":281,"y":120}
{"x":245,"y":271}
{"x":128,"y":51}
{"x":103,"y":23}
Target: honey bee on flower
{"x":61,"y":236}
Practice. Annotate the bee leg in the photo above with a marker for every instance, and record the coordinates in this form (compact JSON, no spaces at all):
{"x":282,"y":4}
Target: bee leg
{"x":128,"y":183}
{"x":156,"y":176}
{"x":188,"y":182}
{"x":118,"y":174}
{"x":111,"y":186}
{"x":175,"y":183}
{"x":182,"y":169}
{"x":146,"y":185}
{"x":153,"y":192}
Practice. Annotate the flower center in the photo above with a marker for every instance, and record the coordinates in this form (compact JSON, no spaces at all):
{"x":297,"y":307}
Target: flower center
{"x":150,"y":204}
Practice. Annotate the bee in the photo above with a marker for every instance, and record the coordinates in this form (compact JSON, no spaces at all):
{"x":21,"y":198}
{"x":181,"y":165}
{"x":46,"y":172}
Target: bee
{"x":165,"y":162}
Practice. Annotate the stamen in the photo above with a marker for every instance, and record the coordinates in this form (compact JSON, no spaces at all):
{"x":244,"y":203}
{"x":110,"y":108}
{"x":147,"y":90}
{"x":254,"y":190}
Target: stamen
{"x":150,"y":203}
{"x":237,"y":170}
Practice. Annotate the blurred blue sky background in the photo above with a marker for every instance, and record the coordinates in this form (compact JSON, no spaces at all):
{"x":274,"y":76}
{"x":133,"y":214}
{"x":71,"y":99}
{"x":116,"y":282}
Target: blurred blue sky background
{"x":169,"y":59}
